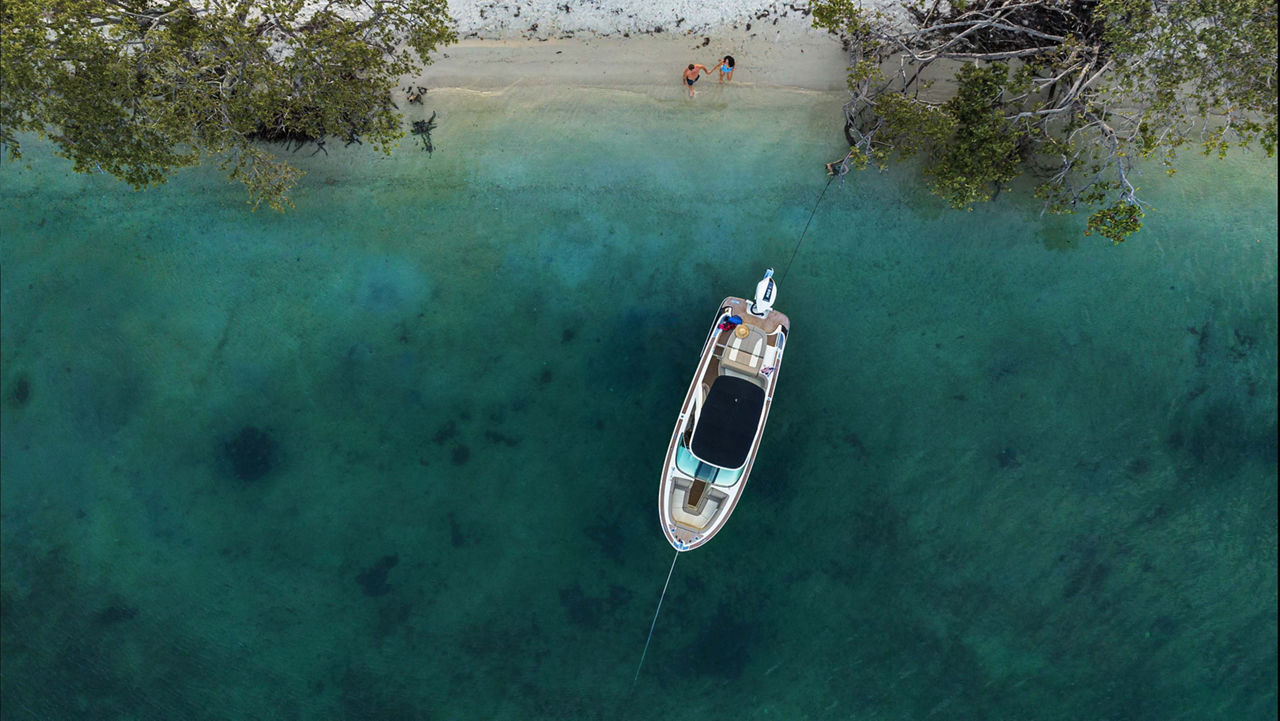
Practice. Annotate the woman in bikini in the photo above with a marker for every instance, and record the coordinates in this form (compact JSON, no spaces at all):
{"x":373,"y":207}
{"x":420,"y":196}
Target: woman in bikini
{"x":726,"y":68}
{"x":691,"y":75}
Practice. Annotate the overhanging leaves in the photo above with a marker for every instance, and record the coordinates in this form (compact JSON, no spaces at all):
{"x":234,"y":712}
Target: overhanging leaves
{"x":1092,"y":86}
{"x":138,"y":88}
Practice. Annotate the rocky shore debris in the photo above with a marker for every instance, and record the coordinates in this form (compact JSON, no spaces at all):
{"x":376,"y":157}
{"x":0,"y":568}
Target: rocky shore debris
{"x":559,"y":19}
{"x":414,"y":94}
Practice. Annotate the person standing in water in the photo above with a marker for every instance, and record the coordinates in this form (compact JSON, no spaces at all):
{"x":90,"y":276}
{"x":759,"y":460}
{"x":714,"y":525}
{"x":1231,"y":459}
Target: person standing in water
{"x":726,"y":68}
{"x":691,"y":75}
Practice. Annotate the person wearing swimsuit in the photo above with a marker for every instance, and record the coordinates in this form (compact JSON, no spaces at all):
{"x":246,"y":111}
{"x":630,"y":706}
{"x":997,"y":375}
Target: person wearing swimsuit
{"x":726,"y":68}
{"x":691,"y":75}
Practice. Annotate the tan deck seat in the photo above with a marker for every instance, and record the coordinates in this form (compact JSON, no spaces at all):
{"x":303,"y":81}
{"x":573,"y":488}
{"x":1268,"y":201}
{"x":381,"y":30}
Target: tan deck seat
{"x":745,"y":355}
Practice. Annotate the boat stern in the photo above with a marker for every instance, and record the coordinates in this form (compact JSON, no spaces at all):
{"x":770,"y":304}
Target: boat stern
{"x":692,"y":511}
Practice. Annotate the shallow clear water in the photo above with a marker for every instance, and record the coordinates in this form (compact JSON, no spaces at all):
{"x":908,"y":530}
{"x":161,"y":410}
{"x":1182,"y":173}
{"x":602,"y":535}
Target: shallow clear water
{"x":1011,"y":472}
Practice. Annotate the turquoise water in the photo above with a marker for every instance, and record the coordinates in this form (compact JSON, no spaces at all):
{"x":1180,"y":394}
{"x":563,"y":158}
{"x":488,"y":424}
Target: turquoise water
{"x":395,"y":454}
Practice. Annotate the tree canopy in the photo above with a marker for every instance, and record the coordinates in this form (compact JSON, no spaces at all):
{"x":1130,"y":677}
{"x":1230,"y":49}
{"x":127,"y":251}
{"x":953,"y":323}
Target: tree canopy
{"x":138,"y":88}
{"x":1074,"y":92}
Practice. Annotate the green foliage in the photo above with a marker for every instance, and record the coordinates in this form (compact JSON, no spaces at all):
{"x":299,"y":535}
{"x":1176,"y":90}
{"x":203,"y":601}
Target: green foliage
{"x":982,"y":152}
{"x":864,"y":70}
{"x":858,"y":159}
{"x":912,"y":127}
{"x":968,"y":146}
{"x":1074,"y":92}
{"x":1116,"y":222}
{"x":139,"y":88}
{"x":1203,"y":59}
{"x":842,"y":17}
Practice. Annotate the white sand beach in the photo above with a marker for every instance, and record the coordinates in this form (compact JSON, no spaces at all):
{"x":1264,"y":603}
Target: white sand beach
{"x":634,"y":46}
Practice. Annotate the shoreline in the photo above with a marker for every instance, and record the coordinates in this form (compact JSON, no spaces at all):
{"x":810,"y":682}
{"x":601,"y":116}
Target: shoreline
{"x":790,"y":56}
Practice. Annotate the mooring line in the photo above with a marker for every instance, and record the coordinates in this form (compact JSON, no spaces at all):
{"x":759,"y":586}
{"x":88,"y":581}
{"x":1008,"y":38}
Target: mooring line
{"x":655,"y":619}
{"x":806,"y":225}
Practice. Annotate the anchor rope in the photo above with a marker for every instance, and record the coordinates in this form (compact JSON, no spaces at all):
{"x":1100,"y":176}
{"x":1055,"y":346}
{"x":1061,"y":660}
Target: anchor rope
{"x":807,"y":222}
{"x":655,"y":618}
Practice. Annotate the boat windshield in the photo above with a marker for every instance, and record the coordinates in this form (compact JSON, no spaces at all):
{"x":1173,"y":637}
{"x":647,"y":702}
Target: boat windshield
{"x":688,"y":463}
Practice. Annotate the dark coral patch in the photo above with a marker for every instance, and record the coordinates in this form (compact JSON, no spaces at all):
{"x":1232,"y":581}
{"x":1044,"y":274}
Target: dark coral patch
{"x":496,"y":437}
{"x":446,"y":432}
{"x":456,"y":537}
{"x":609,"y":538}
{"x":583,"y":610}
{"x":544,"y":377}
{"x":20,"y":394}
{"x":567,"y":335}
{"x":392,"y":617}
{"x":722,"y":649}
{"x":1008,"y":458}
{"x":1162,"y":628}
{"x":115,"y":614}
{"x":252,"y":453}
{"x":373,"y":580}
{"x":1222,"y":433}
{"x":619,"y":596}
{"x":853,"y":441}
{"x":1138,"y":467}
{"x":1087,"y":576}
{"x":461,"y":454}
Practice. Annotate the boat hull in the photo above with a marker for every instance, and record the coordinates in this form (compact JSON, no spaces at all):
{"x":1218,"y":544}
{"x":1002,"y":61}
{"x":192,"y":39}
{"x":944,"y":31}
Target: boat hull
{"x":737,"y":370}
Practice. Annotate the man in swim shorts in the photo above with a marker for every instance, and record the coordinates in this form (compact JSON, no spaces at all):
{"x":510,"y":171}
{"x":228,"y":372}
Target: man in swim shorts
{"x":726,"y":68}
{"x":691,"y":75}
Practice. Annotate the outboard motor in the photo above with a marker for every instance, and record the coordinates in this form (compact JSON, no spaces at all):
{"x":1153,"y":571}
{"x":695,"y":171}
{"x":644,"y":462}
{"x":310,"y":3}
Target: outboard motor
{"x":766,"y":291}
